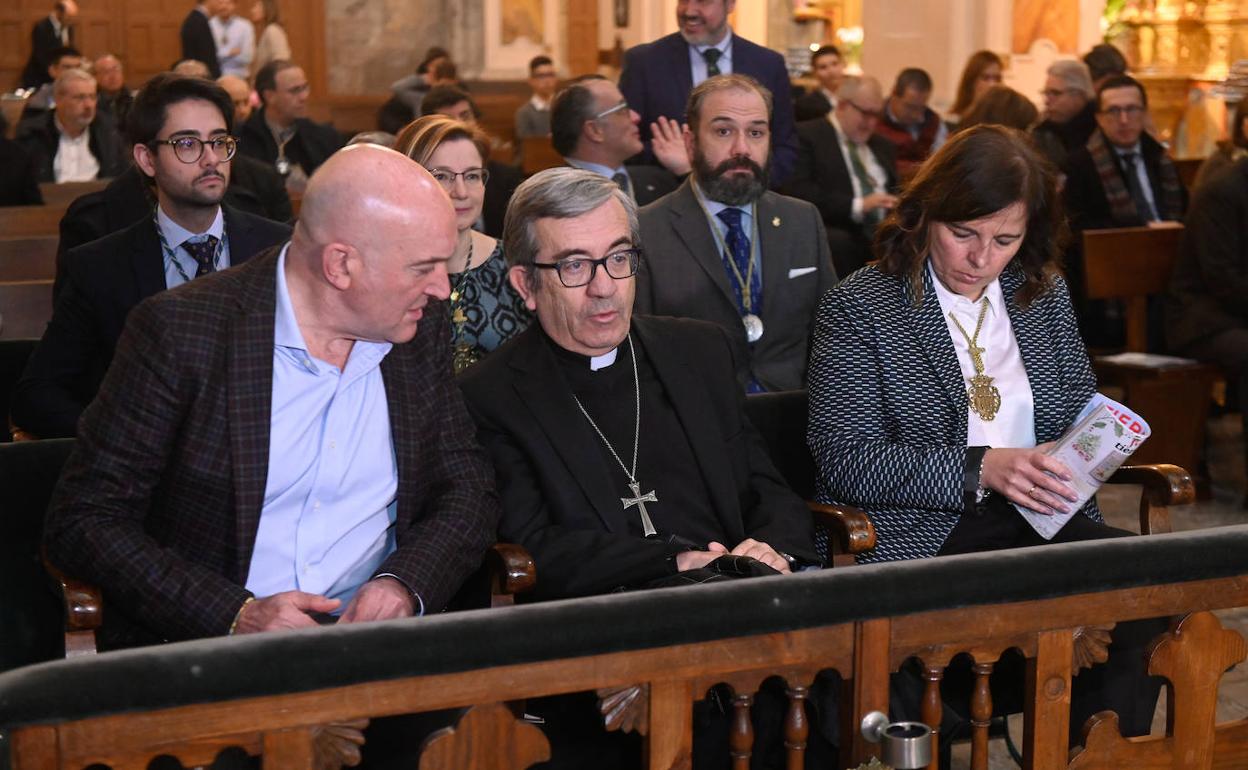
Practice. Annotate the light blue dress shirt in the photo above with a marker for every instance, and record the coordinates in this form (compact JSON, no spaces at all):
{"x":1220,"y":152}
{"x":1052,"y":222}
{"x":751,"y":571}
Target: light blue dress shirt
{"x":175,"y":235}
{"x":327,"y":522}
{"x":698,"y":63}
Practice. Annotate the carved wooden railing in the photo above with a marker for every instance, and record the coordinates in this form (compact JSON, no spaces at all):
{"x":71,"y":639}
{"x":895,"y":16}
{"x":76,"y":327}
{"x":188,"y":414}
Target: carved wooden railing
{"x":268,"y":693}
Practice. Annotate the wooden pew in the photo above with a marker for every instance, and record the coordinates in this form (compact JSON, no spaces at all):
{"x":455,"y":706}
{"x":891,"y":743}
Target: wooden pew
{"x":25,"y":309}
{"x":29,"y":221}
{"x":28,"y":259}
{"x":269,"y":693}
{"x":539,"y":155}
{"x":1134,"y":264}
{"x":63,"y":194}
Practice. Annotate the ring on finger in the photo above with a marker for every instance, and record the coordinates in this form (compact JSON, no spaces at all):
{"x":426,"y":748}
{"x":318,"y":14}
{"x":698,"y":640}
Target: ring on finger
{"x":1032,"y":492}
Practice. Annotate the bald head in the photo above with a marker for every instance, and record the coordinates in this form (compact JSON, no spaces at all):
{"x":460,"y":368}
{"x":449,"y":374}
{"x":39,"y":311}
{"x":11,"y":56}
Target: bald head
{"x":240,"y":94}
{"x":374,"y":234}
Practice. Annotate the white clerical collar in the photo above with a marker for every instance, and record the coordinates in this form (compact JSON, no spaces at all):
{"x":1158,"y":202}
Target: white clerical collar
{"x":603,"y":361}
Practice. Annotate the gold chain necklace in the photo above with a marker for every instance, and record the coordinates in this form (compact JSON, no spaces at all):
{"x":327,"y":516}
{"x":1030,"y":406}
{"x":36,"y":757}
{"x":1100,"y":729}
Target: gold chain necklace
{"x":983,"y":396}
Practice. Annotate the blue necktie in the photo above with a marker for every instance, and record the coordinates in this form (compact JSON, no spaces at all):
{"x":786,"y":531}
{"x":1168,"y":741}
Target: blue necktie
{"x":204,"y":253}
{"x":739,"y":252}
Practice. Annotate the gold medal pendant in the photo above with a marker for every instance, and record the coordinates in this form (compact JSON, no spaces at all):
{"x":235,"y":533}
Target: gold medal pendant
{"x":984,"y":397}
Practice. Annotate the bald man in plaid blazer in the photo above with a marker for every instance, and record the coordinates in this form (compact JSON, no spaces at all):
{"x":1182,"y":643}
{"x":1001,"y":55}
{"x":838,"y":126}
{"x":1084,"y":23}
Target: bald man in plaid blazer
{"x":163,"y":499}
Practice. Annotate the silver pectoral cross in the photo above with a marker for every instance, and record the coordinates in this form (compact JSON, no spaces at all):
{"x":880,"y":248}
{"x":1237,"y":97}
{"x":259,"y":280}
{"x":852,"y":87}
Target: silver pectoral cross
{"x":640,"y":500}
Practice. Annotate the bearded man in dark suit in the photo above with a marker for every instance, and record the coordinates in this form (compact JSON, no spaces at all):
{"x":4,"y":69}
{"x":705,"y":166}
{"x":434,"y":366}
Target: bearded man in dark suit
{"x":726,"y":250}
{"x":183,"y":149}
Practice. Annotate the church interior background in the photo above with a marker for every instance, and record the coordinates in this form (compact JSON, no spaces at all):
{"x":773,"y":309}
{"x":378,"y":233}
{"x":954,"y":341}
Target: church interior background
{"x":1184,"y":50}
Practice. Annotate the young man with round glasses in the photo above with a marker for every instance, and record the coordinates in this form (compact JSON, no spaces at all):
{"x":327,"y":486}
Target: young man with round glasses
{"x":622,"y":453}
{"x":180,"y":128}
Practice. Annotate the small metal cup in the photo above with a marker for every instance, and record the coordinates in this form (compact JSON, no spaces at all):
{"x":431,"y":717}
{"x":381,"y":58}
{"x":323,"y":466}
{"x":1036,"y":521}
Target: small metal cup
{"x":903,"y":745}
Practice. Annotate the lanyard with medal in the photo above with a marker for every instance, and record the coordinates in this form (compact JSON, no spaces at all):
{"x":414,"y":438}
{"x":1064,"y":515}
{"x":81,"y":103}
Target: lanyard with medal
{"x":745,"y":298}
{"x":171,"y":254}
{"x":283,"y":139}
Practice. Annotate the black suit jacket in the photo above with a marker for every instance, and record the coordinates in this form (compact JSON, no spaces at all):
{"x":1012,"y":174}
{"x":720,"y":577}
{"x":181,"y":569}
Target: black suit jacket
{"x":823,"y":179}
{"x":504,"y":179}
{"x":19,"y":185}
{"x":557,"y":491}
{"x":254,"y":188}
{"x":101,"y":282}
{"x":43,"y":41}
{"x":657,"y":79}
{"x":39,"y":136}
{"x":312,"y":144}
{"x":161,"y":500}
{"x":198,"y":42}
{"x":810,"y":106}
{"x":1208,"y":292}
{"x":651,"y":183}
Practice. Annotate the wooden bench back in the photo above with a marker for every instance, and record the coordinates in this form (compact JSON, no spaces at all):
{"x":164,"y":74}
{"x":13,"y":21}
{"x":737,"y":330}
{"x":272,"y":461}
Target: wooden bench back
{"x":1130,"y":264}
{"x":28,"y":259}
{"x":25,"y":309}
{"x":539,"y":155}
{"x":63,"y":194}
{"x":26,"y":221}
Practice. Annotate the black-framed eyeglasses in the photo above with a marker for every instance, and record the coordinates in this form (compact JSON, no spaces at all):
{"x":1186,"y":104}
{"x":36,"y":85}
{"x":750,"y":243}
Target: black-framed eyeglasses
{"x":1131,"y":111}
{"x":623,"y":105}
{"x":869,"y":114}
{"x":473,"y":177}
{"x":579,"y":271}
{"x":189,"y":149}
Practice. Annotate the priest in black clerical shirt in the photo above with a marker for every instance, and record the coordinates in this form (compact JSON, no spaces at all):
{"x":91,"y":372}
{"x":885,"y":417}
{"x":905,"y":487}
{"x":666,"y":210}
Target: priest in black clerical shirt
{"x":621,"y":449}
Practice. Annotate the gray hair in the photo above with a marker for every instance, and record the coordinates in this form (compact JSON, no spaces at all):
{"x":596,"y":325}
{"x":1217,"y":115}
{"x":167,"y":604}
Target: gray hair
{"x":1074,"y":74}
{"x":557,"y":193}
{"x":75,"y":73}
{"x":851,"y":86}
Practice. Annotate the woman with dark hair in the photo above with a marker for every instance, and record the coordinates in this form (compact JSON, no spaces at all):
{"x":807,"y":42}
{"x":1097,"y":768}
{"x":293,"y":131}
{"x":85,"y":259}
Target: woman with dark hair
{"x":939,"y":374}
{"x":1228,"y":151}
{"x":1003,"y":106}
{"x":982,"y":71}
{"x":485,"y":310}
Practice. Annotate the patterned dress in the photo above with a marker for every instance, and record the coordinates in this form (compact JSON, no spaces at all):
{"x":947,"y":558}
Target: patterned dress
{"x":485,"y":310}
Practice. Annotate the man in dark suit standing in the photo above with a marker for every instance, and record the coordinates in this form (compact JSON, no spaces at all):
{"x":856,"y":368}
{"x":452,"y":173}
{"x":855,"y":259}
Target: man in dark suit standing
{"x":182,"y":144}
{"x":658,"y":76}
{"x":593,"y":128}
{"x":280,"y":443}
{"x":280,"y":132}
{"x":623,"y":453}
{"x":56,"y":31}
{"x":197,"y":40}
{"x":724,"y":249}
{"x":847,"y":171}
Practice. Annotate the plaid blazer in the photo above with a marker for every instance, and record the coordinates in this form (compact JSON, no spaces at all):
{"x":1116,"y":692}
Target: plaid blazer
{"x":888,"y":407}
{"x":160,"y":501}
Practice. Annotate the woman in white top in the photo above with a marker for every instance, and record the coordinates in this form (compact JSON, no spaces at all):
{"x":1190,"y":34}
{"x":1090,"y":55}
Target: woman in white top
{"x":272,"y":44}
{"x":939,"y":373}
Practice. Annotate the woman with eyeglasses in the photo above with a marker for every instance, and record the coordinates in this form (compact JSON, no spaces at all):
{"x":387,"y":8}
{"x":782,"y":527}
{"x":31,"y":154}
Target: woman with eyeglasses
{"x":485,"y":310}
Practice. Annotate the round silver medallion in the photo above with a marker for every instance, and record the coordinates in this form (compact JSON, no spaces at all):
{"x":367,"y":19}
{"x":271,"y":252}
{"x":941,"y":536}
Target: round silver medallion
{"x":283,"y":166}
{"x":753,"y":327}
